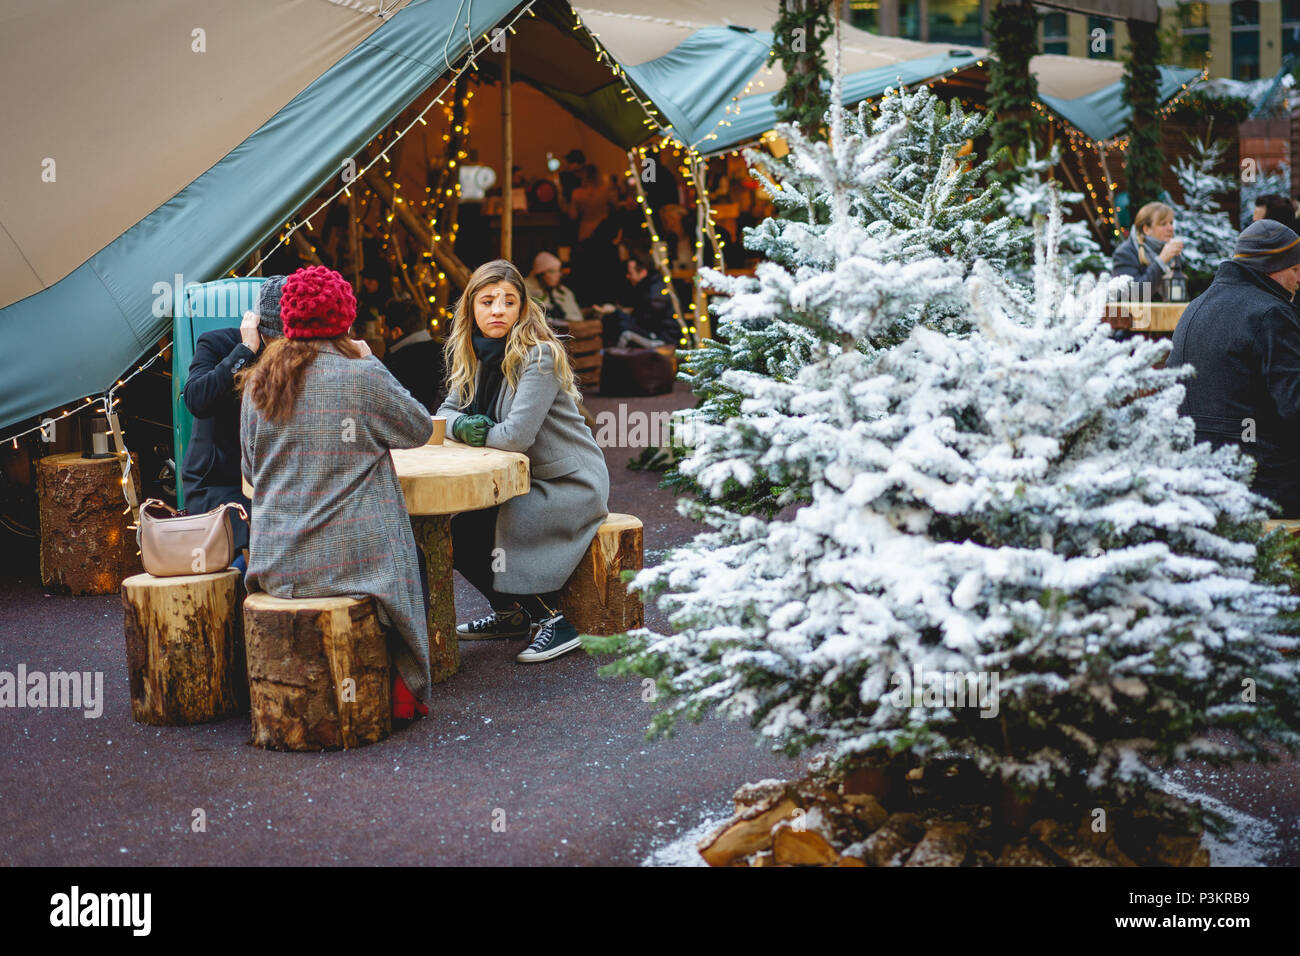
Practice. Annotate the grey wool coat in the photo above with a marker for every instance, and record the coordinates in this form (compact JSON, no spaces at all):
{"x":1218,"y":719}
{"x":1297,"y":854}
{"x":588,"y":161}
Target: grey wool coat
{"x":544,"y":534}
{"x":329,"y":516}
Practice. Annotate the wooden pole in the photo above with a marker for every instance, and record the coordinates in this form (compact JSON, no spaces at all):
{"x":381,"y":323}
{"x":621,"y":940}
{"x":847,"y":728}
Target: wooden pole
{"x":507,"y":161}
{"x":354,"y":239}
{"x":445,"y":258}
{"x":305,"y":249}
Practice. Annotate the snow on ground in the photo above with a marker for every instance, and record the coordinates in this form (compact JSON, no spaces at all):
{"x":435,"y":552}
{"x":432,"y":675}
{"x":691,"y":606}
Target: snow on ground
{"x":682,"y":851}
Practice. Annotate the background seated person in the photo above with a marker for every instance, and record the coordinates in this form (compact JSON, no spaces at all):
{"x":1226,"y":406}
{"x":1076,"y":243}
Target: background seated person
{"x":415,"y":359}
{"x":649,"y":322}
{"x":1275,"y":207}
{"x":547,"y":284}
{"x":210,"y":470}
{"x":1150,"y":253}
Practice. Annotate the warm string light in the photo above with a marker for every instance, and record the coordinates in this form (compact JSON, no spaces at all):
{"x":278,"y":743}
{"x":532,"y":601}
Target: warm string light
{"x":472,"y":55}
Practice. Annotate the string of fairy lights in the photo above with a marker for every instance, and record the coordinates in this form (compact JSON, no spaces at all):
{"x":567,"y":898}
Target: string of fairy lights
{"x":290,"y":229}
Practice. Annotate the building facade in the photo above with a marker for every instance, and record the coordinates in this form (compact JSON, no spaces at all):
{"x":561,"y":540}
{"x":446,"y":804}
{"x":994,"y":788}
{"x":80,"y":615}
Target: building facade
{"x":1240,"y":39}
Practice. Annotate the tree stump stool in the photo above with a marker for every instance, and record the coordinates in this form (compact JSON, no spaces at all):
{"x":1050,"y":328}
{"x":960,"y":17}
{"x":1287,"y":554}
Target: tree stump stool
{"x":184,"y":647}
{"x":595,"y":599}
{"x":87,"y":546}
{"x":318,"y":673}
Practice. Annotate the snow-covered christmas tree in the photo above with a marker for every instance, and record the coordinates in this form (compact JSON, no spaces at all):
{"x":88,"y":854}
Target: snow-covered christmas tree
{"x":1021,"y":511}
{"x":1028,"y":197}
{"x":906,"y":193}
{"x":1206,"y":229}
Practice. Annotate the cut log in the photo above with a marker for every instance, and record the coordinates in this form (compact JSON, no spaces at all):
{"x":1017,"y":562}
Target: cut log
{"x":737,"y":839}
{"x":318,"y":673}
{"x":87,"y":546}
{"x":433,"y":535}
{"x":795,"y":847}
{"x":944,"y":844}
{"x":595,"y":598}
{"x":184,"y":647}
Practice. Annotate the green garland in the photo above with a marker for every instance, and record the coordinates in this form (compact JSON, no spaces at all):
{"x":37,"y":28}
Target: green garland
{"x":1142,"y":91}
{"x":804,"y":98}
{"x":1012,"y":88}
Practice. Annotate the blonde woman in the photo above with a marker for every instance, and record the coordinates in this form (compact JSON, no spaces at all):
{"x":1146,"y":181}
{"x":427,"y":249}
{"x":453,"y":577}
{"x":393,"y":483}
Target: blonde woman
{"x":1148,"y":254}
{"x":510,"y":386}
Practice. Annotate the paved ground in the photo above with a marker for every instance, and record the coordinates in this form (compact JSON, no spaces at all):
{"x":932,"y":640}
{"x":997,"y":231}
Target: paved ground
{"x":553,"y":750}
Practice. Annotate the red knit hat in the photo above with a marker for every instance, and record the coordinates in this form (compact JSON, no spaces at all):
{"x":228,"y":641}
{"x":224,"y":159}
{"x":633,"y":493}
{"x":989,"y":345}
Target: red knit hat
{"x":317,"y":303}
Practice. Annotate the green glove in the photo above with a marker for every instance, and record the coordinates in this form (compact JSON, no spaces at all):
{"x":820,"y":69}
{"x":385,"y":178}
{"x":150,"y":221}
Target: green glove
{"x":472,"y":429}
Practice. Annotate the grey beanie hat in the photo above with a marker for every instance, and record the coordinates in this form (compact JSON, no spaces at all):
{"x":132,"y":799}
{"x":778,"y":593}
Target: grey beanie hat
{"x":1267,"y":246}
{"x":268,"y":308}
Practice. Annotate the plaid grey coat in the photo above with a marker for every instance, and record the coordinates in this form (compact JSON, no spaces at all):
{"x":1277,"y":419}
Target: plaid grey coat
{"x":544,"y":534}
{"x":329,"y":517}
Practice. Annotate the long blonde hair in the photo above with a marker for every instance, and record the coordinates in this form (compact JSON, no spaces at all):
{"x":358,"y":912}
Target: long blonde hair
{"x":531,"y":329}
{"x":1152,"y":214}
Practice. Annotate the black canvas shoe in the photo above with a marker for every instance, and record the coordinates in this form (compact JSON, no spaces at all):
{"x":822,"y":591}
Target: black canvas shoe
{"x":497,"y":624}
{"x":555,"y":636}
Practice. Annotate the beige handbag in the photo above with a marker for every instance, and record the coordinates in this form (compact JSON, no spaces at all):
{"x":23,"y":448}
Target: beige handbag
{"x":172,"y":544}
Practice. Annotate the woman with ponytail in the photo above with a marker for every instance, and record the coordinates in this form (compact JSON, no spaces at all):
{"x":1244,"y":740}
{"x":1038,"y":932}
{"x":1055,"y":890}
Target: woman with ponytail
{"x":510,"y":386}
{"x":319,"y":416}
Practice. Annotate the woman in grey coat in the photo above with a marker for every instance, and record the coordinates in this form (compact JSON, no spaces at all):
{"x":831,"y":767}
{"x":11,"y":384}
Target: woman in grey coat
{"x":1150,"y":253}
{"x":318,"y":419}
{"x":510,"y":386}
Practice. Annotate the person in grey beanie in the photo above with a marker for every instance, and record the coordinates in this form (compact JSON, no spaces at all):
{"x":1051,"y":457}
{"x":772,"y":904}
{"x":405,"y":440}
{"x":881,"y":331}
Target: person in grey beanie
{"x":1243,"y":338}
{"x":210,"y":473}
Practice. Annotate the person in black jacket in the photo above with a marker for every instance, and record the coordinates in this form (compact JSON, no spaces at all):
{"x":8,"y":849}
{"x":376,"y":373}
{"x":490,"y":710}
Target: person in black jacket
{"x":415,"y":359}
{"x":210,"y":472}
{"x":1243,"y":338}
{"x":651,"y":322}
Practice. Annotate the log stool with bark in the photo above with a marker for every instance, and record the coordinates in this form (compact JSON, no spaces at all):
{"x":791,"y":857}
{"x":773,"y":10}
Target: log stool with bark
{"x":184,"y":647}
{"x":86,"y":544}
{"x":595,"y":598}
{"x":318,"y":673}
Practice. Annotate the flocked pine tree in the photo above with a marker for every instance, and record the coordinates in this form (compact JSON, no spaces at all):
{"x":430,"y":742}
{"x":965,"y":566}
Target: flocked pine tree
{"x":1024,"y":504}
{"x":918,"y":196}
{"x":1206,"y":229}
{"x":1029,"y":197}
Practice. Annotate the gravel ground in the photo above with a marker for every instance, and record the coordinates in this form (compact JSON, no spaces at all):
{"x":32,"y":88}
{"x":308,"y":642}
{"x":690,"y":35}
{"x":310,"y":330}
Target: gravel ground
{"x":516,"y":764}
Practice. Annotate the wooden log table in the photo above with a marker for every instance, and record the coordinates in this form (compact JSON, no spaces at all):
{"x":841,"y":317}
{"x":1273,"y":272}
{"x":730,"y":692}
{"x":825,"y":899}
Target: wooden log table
{"x":1146,"y":316}
{"x":440,"y":481}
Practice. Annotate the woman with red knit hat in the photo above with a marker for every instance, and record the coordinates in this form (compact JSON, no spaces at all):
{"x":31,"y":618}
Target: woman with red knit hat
{"x":320,"y":414}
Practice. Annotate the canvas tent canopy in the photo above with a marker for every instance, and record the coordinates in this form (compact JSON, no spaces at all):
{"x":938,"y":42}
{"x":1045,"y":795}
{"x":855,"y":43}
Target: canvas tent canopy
{"x":179,"y":153}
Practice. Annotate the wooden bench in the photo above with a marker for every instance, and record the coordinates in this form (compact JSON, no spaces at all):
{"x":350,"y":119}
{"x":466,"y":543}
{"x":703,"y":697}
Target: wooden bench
{"x":184,"y":647}
{"x":595,"y":599}
{"x":318,"y":673}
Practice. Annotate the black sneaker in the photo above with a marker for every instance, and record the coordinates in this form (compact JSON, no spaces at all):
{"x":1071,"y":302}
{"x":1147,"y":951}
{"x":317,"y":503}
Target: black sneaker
{"x":497,"y":624}
{"x":555,"y":636}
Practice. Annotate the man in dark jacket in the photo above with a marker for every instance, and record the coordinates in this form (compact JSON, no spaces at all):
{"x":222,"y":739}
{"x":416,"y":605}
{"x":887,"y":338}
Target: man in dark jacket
{"x":415,"y":359}
{"x":210,"y":472}
{"x":1243,"y":338}
{"x":651,"y":321}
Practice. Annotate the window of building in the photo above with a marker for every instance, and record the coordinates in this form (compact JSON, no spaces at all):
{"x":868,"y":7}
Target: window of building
{"x":865,"y":15}
{"x":956,"y":21}
{"x":1194,"y":24}
{"x":1245,"y":40}
{"x":1056,"y":33}
{"x":1245,"y":13}
{"x":1101,"y":46}
{"x":909,"y":19}
{"x":1291,"y":27}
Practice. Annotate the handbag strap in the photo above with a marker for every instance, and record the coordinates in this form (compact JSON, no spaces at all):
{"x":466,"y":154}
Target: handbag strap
{"x":160,"y":503}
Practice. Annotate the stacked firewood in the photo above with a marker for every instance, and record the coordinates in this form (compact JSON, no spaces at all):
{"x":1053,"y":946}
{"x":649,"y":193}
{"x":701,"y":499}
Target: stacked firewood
{"x":864,"y":819}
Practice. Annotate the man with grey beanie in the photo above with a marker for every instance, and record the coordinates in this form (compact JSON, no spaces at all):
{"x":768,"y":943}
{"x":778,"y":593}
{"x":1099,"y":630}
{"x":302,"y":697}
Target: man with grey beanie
{"x":1243,"y":338}
{"x":210,"y":473}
